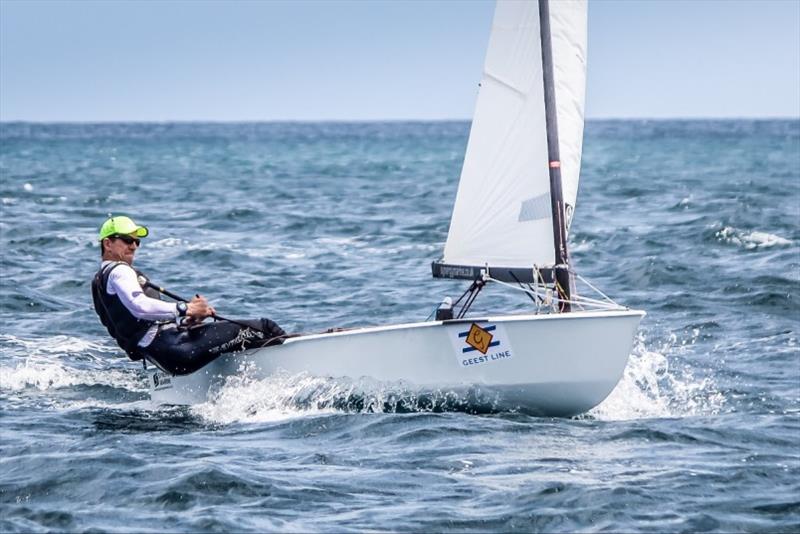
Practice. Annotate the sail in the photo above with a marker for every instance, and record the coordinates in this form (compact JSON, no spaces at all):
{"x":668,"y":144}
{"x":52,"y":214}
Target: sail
{"x":502,"y":212}
{"x":568,"y":33}
{"x":503,"y":215}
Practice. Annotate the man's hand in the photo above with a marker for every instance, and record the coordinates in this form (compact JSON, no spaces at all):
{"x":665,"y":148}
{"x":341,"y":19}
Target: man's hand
{"x":198,"y":309}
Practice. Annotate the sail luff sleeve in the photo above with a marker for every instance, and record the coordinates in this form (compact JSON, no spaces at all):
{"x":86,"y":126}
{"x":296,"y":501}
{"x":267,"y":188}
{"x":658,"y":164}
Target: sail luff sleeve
{"x":568,"y":35}
{"x":556,"y":194}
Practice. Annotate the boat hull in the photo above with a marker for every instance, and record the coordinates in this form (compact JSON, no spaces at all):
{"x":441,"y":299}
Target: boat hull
{"x":555,"y":365}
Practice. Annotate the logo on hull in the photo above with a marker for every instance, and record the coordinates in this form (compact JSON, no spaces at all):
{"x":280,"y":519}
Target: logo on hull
{"x":480,"y":344}
{"x":161,"y":380}
{"x":479,"y":338}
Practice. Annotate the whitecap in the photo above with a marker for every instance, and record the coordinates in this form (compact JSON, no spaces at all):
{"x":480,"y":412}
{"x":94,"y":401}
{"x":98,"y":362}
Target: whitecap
{"x":750,"y":240}
{"x":340,"y":241}
{"x":45,"y":363}
{"x":47,"y":374}
{"x":77,"y":239}
{"x":401,"y":249}
{"x":53,"y":344}
{"x":274,"y":251}
{"x":276,"y":398}
{"x":166,"y":243}
{"x":171,"y":242}
{"x":583,"y":246}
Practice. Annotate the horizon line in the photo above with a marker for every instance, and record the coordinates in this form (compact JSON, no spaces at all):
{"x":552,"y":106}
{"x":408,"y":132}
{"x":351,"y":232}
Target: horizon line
{"x":371,"y":121}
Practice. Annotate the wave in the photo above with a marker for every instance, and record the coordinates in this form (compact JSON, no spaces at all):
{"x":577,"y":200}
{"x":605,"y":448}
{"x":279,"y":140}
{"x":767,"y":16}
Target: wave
{"x":653,"y":387}
{"x":243,"y":399}
{"x":268,"y":250}
{"x":58,"y":344}
{"x":323,"y":246}
{"x":59,"y":362}
{"x":46,"y":374}
{"x":282,"y":396}
{"x":750,"y":240}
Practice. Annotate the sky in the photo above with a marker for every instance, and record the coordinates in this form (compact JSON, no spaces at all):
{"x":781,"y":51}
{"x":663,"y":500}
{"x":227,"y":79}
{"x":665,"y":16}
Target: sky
{"x":260,"y":60}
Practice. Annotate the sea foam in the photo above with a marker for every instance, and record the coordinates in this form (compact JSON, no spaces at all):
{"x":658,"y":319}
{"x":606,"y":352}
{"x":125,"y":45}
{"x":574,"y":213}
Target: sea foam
{"x":652,"y":386}
{"x":750,"y":239}
{"x":51,"y":363}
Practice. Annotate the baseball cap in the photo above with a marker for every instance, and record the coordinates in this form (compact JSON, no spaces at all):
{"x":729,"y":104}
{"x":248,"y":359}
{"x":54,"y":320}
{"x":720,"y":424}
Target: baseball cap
{"x":121,"y":225}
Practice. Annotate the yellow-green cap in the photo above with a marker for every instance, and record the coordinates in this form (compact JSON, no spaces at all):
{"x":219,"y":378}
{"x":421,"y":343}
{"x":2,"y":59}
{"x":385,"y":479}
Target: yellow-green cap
{"x":122,"y":225}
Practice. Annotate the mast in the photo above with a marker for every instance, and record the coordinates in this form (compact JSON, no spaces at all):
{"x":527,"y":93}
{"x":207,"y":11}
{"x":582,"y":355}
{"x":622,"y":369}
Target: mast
{"x":562,"y":276}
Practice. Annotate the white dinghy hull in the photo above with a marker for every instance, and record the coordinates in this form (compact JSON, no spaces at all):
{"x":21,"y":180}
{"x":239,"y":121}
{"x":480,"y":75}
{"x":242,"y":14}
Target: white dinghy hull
{"x":552,"y":365}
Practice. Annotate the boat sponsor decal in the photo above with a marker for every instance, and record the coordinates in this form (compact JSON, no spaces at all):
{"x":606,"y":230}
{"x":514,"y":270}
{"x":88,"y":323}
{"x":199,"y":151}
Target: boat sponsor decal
{"x":161,"y":381}
{"x":479,"y":338}
{"x":480,"y":344}
{"x":456,"y":271}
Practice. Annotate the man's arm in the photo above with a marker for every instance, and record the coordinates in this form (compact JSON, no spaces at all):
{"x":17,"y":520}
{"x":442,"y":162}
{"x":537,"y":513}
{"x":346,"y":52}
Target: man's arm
{"x":123,"y":282}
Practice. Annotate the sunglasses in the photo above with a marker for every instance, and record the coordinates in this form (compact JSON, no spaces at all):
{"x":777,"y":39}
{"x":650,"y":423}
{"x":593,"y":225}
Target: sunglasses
{"x":128,"y":240}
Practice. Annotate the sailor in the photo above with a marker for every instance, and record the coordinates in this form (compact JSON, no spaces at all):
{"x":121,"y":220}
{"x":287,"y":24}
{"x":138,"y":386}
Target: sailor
{"x":171,"y":336}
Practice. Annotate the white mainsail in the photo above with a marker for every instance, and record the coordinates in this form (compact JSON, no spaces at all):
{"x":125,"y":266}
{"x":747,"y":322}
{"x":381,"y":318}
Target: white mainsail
{"x":502,"y":214}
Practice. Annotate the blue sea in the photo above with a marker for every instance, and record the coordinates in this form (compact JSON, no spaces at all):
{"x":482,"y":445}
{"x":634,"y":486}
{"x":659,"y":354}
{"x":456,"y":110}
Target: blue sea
{"x":320,"y":225}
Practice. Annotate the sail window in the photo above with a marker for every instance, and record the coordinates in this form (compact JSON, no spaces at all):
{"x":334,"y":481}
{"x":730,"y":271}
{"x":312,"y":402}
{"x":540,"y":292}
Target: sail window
{"x":538,"y":207}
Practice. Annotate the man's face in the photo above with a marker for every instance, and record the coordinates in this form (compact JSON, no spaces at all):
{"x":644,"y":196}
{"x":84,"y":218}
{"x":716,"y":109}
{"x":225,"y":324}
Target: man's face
{"x":117,"y":249}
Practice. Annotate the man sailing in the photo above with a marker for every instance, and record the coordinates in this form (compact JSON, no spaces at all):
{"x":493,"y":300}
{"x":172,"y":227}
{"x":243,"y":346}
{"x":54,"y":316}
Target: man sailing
{"x":171,"y":336}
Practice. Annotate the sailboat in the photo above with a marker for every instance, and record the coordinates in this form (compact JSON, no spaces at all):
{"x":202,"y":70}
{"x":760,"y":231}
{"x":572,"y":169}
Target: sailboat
{"x":509,"y":228}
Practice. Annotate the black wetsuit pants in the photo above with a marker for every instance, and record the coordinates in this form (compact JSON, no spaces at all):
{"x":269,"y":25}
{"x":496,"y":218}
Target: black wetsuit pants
{"x":182,"y":350}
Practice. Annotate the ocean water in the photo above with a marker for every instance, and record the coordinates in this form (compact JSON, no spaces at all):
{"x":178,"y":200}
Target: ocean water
{"x":329,"y":224}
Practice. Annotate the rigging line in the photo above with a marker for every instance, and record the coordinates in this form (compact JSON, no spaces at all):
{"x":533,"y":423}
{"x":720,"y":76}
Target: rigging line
{"x":585,"y":281}
{"x":520,"y":285}
{"x":475,"y":288}
{"x":539,"y":276}
{"x":579,"y":303}
{"x":582,"y":300}
{"x":463,"y":294}
{"x":560,"y":291}
{"x":468,"y":304}
{"x":589,"y":300}
{"x":538,"y":300}
{"x":534,"y":298}
{"x":608,"y":300}
{"x":472,"y":290}
{"x":576,"y":299}
{"x":431,"y":314}
{"x":586,"y":301}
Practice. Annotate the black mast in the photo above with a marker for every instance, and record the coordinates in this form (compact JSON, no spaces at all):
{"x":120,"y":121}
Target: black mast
{"x":556,"y":195}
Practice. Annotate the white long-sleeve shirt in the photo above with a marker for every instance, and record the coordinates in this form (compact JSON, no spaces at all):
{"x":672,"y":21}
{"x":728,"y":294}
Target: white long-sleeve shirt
{"x":123,"y":282}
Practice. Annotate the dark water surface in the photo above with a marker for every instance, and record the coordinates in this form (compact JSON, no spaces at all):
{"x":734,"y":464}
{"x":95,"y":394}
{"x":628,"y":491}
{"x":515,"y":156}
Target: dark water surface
{"x":320,"y":225}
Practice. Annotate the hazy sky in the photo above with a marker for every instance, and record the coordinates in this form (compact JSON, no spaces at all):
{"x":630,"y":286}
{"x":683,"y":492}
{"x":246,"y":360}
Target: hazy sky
{"x":268,"y":60}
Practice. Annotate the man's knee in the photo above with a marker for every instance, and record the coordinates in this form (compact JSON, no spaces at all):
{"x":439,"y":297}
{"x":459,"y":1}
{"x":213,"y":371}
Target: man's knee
{"x":271,"y":328}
